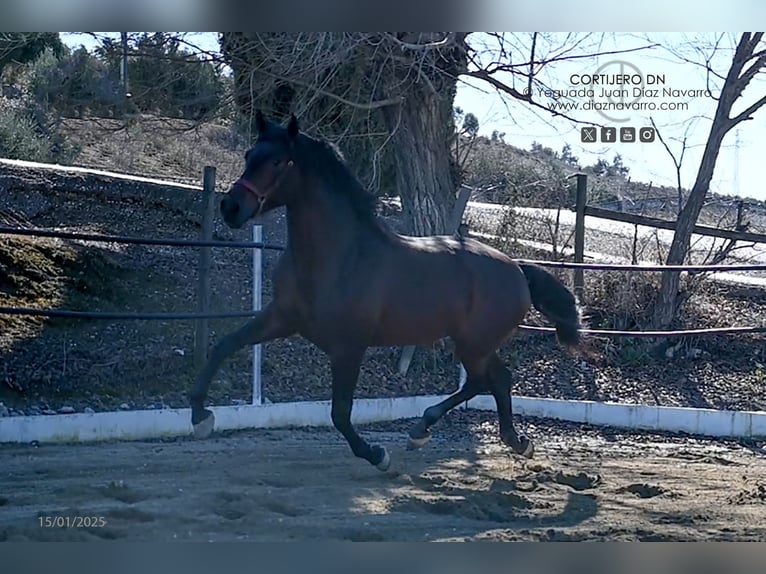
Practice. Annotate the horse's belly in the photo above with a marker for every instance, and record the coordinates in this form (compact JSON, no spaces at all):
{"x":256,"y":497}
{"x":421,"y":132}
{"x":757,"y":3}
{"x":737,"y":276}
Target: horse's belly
{"x":415,"y":326}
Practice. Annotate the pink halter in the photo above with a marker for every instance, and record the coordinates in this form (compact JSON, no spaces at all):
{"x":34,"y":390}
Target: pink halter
{"x":254,"y":190}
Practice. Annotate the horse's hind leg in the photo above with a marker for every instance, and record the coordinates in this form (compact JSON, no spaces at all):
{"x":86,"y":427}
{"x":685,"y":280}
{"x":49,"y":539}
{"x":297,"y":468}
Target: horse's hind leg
{"x":500,"y":383}
{"x":345,"y":373}
{"x":420,"y":433}
{"x":476,"y":382}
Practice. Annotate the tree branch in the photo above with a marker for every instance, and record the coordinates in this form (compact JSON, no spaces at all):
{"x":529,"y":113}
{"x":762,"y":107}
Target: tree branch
{"x":745,"y":115}
{"x":677,"y":162}
{"x":531,"y":64}
{"x":513,"y":92}
{"x":562,"y":58}
{"x":374,"y":105}
{"x":447,"y":40}
{"x":754,"y":40}
{"x":750,"y":73}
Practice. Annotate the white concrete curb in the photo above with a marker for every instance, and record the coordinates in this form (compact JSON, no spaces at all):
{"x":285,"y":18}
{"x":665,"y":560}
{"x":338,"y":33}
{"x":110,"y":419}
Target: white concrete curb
{"x":702,"y":422}
{"x":144,"y":424}
{"x":137,"y":425}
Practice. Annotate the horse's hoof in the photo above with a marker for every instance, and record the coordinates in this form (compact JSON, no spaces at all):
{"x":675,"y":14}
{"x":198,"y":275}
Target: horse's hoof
{"x":385,"y":462}
{"x":529,"y":450}
{"x":415,"y":443}
{"x":204,"y":428}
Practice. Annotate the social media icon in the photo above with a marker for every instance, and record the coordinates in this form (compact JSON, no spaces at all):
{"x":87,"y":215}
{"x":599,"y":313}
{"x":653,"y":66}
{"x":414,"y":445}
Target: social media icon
{"x":628,"y":135}
{"x":588,"y":135}
{"x":646,"y":135}
{"x":609,"y":135}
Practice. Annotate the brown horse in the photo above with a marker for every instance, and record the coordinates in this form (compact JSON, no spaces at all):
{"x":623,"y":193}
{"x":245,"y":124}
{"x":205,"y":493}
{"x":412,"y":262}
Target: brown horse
{"x":347,"y":282}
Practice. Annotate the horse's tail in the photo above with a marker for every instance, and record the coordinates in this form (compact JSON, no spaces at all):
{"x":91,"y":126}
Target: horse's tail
{"x":556,"y":302}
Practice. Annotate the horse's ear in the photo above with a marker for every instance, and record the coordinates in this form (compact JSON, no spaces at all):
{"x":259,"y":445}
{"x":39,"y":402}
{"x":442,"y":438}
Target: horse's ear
{"x":260,"y":121}
{"x":292,"y":126}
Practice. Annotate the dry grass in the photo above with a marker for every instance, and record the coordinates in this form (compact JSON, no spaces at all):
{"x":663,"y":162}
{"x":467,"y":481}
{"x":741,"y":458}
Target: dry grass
{"x":49,"y":273}
{"x":175,"y":150}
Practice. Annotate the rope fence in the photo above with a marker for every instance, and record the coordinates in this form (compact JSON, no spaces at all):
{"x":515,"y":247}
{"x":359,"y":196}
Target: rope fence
{"x":654,"y":334}
{"x":648,"y":268}
{"x":36,"y":232}
{"x":64,"y":313}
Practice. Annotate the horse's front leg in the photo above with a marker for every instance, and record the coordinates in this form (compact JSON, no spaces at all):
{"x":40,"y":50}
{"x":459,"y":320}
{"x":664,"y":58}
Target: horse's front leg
{"x":267,"y":325}
{"x":345,"y":373}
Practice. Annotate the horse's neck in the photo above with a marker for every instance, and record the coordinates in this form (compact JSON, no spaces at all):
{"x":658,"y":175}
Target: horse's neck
{"x":320,"y":230}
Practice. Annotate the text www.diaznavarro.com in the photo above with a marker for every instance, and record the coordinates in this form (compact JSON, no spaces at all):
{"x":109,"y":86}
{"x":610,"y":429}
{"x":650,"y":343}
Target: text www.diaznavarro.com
{"x":593,"y":105}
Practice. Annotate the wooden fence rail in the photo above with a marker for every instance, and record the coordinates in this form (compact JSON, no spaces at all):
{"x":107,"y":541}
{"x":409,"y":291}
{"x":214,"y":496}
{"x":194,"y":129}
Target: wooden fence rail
{"x":582,"y":210}
{"x":635,"y":219}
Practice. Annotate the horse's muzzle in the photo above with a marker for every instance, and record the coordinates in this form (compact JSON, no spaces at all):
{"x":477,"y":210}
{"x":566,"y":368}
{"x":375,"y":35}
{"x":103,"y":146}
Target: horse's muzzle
{"x":231,"y":213}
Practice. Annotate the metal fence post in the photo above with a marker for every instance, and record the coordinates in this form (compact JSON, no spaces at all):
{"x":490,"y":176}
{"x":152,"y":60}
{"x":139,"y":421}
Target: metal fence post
{"x":257,"y":303}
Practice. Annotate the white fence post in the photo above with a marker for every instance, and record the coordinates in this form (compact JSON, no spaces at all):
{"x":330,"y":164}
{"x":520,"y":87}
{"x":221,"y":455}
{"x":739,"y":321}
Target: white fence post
{"x":257,"y":288}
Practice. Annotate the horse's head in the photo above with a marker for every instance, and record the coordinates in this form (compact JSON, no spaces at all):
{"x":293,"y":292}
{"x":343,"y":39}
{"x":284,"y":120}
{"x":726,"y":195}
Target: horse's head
{"x":269,"y":176}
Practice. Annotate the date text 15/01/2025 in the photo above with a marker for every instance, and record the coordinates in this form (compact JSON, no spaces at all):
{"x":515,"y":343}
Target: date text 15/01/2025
{"x":61,"y":521}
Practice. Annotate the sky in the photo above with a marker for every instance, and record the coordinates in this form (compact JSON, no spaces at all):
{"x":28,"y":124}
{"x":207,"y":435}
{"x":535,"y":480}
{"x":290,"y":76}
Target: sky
{"x":737,"y":172}
{"x":670,"y":60}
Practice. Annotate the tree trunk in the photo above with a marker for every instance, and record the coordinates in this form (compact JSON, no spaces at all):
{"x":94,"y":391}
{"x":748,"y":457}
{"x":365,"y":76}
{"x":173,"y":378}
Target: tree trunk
{"x":404,"y":80}
{"x":665,"y":308}
{"x":422,"y":128}
{"x":425,"y":177}
{"x":667,"y":302}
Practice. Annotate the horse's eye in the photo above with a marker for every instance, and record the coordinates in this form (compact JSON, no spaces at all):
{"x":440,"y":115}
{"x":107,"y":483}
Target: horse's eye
{"x":276,"y":162}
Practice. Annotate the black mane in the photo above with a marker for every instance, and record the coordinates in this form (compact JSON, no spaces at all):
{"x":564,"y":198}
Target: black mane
{"x":326,"y":161}
{"x":323,"y":159}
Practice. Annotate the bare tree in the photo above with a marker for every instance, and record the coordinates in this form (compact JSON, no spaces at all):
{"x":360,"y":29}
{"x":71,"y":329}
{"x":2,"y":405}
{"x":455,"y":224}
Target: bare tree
{"x":749,"y":59}
{"x":381,"y":96}
{"x":386,"y":98}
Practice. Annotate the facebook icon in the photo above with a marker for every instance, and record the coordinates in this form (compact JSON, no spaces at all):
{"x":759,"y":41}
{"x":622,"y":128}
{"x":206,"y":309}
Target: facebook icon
{"x":609,"y":135}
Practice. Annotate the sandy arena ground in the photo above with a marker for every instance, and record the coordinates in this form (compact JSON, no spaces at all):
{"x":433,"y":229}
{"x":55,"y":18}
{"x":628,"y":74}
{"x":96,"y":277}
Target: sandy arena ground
{"x":304,"y":484}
